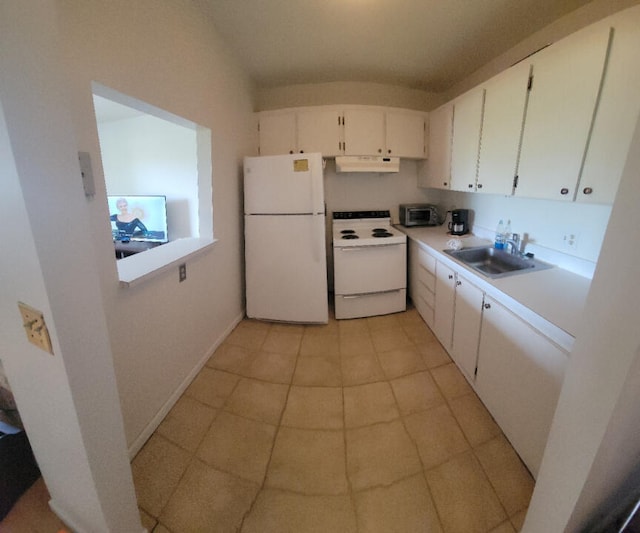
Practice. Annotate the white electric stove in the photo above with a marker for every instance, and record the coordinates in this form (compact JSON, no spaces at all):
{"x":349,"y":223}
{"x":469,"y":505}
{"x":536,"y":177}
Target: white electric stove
{"x":369,"y":263}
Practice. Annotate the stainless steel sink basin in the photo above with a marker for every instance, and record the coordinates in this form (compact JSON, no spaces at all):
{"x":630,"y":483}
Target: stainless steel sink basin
{"x":495,"y":263}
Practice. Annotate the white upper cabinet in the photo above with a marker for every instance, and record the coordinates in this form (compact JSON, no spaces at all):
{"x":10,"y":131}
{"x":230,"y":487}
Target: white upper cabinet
{"x":364,"y":132}
{"x":319,"y":131}
{"x":277,"y":133}
{"x":467,"y":123}
{"x":341,"y":130}
{"x":617,"y":113}
{"x":435,"y":173}
{"x":405,"y":134}
{"x":561,"y":106}
{"x":379,"y":131}
{"x":504,"y":106}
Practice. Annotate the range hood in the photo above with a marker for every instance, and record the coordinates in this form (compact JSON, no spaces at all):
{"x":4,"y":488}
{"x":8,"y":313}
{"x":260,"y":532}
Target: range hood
{"x":367,"y":163}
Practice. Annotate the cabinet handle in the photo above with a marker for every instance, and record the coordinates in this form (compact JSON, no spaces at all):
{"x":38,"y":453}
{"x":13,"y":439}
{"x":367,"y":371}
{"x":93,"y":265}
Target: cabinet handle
{"x":587,"y":190}
{"x":379,"y":150}
{"x":290,"y":151}
{"x":564,"y":191}
{"x":458,"y":283}
{"x":487,"y":306}
{"x":302,"y":151}
{"x":444,"y":183}
{"x":479,"y":185}
{"x":470,"y":185}
{"x":388,"y":151}
{"x":450,"y":276}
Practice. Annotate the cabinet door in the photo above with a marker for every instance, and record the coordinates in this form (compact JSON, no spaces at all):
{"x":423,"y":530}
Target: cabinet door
{"x":504,"y":106}
{"x":445,"y":298}
{"x":467,"y":121}
{"x":405,"y":134}
{"x":436,"y":172}
{"x":466,"y":326}
{"x":277,"y":133}
{"x":319,"y":131}
{"x":616,"y":117}
{"x":519,"y":377}
{"x":562,"y":101}
{"x":364,"y":132}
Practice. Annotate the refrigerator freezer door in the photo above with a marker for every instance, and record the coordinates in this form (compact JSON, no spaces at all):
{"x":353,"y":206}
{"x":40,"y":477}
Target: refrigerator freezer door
{"x":286,"y":272}
{"x":283,"y":184}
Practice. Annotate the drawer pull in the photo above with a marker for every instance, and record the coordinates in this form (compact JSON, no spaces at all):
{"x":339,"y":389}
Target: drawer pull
{"x":364,"y":295}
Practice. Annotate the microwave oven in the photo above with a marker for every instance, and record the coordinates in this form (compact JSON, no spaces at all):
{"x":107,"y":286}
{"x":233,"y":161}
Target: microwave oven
{"x":419,"y":215}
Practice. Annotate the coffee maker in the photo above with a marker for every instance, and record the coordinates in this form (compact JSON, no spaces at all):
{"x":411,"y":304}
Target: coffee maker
{"x":459,"y":224}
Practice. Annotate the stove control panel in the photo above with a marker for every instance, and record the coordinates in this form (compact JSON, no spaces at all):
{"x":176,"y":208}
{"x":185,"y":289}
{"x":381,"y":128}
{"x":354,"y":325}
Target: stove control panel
{"x":350,"y":215}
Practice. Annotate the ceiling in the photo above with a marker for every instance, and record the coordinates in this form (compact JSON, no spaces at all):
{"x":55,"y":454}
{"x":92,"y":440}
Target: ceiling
{"x":419,"y":44}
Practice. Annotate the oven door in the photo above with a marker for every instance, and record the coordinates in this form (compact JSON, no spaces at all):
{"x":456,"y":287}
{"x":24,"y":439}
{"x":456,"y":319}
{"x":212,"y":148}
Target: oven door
{"x":366,"y":269}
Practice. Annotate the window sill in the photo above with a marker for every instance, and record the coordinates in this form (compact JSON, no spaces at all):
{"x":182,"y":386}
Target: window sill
{"x":141,"y":267}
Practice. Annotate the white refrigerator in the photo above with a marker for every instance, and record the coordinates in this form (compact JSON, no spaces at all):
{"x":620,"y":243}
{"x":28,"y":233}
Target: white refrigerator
{"x":284,"y":228}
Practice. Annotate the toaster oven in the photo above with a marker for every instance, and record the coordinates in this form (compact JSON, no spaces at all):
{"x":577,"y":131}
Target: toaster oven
{"x":419,"y":215}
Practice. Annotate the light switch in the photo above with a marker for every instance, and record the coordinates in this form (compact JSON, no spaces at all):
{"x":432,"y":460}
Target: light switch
{"x":35,"y":327}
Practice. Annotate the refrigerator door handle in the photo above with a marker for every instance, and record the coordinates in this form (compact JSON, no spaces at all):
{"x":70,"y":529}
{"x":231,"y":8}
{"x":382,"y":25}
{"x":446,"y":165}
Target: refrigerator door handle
{"x":319,"y":244}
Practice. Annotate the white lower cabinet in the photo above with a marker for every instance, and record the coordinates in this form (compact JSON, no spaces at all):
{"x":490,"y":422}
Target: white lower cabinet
{"x":516,"y":370}
{"x":467,"y":318}
{"x":445,"y":304}
{"x":520,"y":373}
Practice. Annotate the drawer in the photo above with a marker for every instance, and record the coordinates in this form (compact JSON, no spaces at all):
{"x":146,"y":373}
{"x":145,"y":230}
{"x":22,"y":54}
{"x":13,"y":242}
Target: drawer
{"x":427,"y":261}
{"x":377,"y":303}
{"x":427,"y":295}
{"x":427,"y":278}
{"x":425,"y":310}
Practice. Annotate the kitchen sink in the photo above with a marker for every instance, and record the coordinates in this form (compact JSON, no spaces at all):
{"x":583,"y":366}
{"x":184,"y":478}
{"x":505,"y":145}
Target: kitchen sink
{"x":495,"y":263}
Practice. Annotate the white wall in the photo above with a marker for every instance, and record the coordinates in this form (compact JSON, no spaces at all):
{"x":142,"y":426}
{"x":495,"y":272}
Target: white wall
{"x":148,"y":155}
{"x":543,"y":223}
{"x":594,"y":435}
{"x":165,"y":54}
{"x":336,"y":93}
{"x":362,"y":191}
{"x":68,"y":401}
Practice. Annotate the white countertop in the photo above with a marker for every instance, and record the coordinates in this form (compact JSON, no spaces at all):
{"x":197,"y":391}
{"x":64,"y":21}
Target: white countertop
{"x":551,"y":300}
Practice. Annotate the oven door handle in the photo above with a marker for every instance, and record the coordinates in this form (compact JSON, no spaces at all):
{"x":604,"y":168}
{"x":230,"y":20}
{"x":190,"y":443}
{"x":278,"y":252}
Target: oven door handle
{"x":364,"y":246}
{"x":363,"y":295}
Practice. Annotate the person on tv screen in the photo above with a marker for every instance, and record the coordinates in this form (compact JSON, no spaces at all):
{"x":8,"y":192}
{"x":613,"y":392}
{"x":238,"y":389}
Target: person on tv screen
{"x":126,"y":222}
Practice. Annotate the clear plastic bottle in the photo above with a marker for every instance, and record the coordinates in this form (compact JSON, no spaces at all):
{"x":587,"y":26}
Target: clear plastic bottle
{"x":499,"y":243}
{"x":507,"y":232}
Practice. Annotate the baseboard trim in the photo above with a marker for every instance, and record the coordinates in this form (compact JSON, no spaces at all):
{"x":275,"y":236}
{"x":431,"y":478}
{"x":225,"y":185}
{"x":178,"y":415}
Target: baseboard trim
{"x":138,"y":443}
{"x":71,"y":522}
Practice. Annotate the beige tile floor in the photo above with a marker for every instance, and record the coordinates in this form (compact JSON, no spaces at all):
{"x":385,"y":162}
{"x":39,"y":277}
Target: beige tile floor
{"x":358,"y":426}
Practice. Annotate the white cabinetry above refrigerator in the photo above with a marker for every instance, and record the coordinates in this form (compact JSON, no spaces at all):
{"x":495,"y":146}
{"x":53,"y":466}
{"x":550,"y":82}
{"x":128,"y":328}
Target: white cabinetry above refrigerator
{"x":343,"y":130}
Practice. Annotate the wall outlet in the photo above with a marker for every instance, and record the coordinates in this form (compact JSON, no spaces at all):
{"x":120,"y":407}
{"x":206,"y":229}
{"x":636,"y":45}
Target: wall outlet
{"x":570,"y":241}
{"x":35,"y":327}
{"x":182,"y":272}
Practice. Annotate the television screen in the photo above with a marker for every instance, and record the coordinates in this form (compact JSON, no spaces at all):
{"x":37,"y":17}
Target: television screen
{"x":138,"y":218}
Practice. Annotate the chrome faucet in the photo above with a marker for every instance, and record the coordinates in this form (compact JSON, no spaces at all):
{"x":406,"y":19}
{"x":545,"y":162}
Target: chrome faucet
{"x":514,"y":241}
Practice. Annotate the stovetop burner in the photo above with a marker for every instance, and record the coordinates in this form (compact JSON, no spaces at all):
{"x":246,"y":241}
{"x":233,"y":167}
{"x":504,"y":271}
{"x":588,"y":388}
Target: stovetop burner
{"x":364,"y":228}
